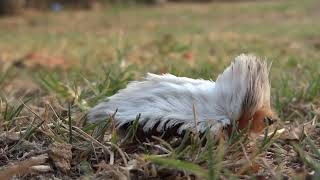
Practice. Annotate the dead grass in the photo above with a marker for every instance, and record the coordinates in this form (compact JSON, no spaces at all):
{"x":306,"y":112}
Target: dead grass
{"x":43,"y":105}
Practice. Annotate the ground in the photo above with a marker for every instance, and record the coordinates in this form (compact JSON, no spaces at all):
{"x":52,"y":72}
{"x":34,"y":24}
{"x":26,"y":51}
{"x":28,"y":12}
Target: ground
{"x":57,"y":65}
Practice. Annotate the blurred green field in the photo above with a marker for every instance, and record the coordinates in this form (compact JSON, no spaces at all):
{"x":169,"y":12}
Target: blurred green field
{"x":107,"y":47}
{"x":196,"y":40}
{"x":285,"y":32}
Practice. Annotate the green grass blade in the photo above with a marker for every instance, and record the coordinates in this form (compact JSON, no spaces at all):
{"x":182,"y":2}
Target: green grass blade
{"x":178,"y":164}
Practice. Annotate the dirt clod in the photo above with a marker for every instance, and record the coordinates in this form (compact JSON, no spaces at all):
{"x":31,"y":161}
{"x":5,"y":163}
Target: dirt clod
{"x":61,"y":156}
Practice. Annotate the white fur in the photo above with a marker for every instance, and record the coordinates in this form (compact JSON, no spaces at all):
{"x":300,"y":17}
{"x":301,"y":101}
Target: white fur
{"x":242,"y":87}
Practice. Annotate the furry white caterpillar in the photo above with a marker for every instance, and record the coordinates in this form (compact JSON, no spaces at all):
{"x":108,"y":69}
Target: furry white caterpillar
{"x":240,"y":94}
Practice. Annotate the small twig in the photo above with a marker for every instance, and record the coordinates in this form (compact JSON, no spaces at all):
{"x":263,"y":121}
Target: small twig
{"x":123,"y":155}
{"x":22,"y":167}
{"x":59,"y":120}
{"x":158,"y":147}
{"x":111,"y":158}
{"x":163,"y":142}
{"x":54,"y":112}
{"x":42,"y":168}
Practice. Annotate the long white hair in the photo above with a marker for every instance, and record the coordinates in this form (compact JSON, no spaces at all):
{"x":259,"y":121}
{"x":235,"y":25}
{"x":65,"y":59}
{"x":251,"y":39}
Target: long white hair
{"x":166,"y":100}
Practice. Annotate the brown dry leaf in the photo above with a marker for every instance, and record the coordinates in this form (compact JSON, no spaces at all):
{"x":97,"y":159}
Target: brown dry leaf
{"x":36,"y":59}
{"x":292,"y":133}
{"x":22,"y":167}
{"x":61,"y":156}
{"x":297,"y":132}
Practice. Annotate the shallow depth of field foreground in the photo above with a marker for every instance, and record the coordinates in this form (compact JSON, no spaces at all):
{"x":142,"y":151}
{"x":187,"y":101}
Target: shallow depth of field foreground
{"x":55,"y":66}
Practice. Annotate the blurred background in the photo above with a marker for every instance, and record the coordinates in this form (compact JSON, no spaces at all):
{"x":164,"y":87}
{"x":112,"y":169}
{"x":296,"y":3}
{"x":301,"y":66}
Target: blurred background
{"x":73,"y":40}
